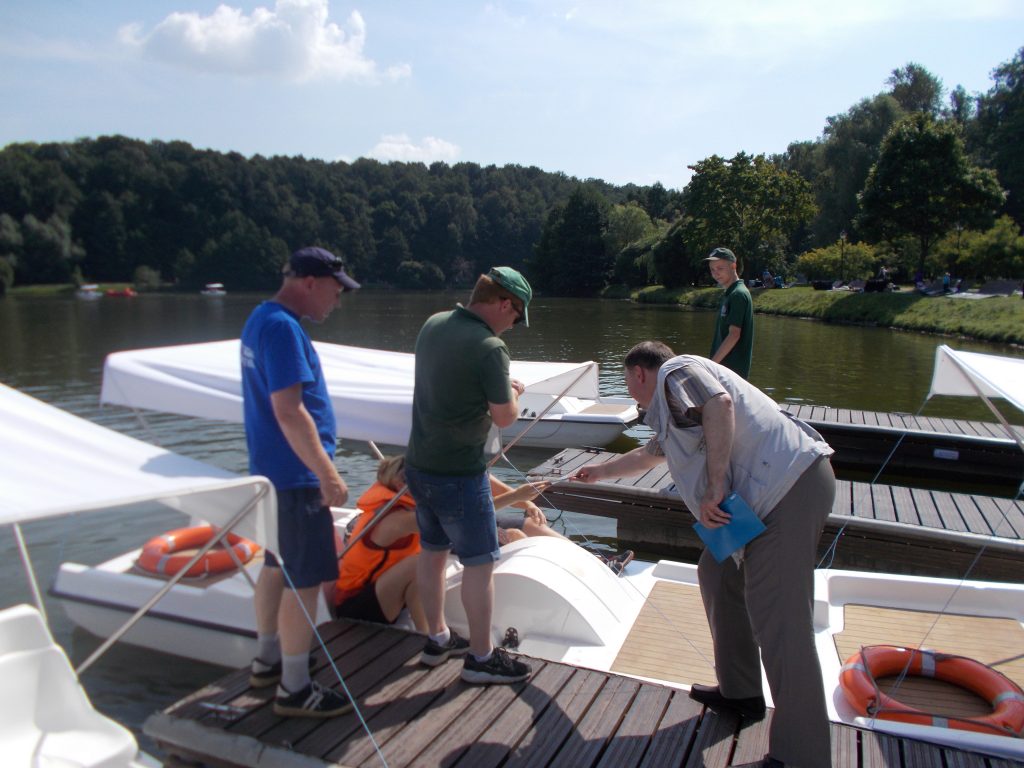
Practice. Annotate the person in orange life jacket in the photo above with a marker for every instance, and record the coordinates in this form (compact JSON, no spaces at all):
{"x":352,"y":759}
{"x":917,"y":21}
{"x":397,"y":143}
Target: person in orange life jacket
{"x":377,"y":576}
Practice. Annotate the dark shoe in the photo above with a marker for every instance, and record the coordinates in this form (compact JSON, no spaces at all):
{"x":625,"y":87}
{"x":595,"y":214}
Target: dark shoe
{"x":262,"y":675}
{"x":435,"y":653}
{"x":312,"y":701}
{"x":619,"y":562}
{"x":711,"y":697}
{"x":500,"y":668}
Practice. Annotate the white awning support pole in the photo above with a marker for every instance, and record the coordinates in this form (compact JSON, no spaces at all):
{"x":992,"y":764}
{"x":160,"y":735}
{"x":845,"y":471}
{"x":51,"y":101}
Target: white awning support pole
{"x":379,"y":514}
{"x":30,"y":573}
{"x":264,"y":488}
{"x":539,"y":416}
{"x":995,"y":411}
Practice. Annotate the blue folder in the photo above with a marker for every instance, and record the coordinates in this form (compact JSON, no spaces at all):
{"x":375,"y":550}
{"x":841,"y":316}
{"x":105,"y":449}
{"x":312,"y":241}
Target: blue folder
{"x":742,"y":528}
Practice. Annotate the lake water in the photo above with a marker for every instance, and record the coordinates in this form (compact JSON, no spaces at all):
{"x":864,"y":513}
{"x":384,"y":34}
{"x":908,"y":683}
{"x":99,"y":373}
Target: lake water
{"x":54,"y":348}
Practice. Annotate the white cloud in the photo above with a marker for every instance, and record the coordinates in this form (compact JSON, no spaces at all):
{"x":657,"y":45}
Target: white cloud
{"x":400,"y":147}
{"x":294,"y":41}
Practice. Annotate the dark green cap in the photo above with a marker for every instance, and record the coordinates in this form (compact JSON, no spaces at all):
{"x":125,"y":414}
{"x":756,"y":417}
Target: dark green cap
{"x":514,"y":283}
{"x":722,"y":253}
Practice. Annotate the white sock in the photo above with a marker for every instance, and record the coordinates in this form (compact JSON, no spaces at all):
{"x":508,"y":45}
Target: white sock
{"x":483,"y":659}
{"x":268,"y":649}
{"x":442,"y":638}
{"x":295,"y":672}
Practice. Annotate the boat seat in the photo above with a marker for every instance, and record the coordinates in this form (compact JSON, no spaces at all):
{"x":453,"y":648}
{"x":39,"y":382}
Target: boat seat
{"x":47,"y":719}
{"x":554,"y":593}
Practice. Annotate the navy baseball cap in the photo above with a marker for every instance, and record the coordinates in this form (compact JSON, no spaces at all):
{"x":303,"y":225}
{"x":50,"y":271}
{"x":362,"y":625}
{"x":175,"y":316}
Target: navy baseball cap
{"x":318,"y":262}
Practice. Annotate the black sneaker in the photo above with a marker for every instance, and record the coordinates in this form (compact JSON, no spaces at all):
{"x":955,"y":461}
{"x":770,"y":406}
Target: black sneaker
{"x":618,"y":562}
{"x":312,"y":701}
{"x":435,"y":653}
{"x":262,"y":675}
{"x":500,"y":668}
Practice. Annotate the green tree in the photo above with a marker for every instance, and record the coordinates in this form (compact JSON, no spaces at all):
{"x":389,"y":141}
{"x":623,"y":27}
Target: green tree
{"x":747,"y":203}
{"x":571,"y":259}
{"x":6,"y":274}
{"x":10,"y":239}
{"x":418,"y":274}
{"x":1001,"y":128}
{"x":626,"y":224}
{"x":994,"y":253}
{"x":852,"y":142}
{"x":244,"y":256}
{"x":916,"y":89}
{"x":48,"y":254}
{"x":146,"y":278}
{"x":851,"y":260}
{"x":923,"y":185}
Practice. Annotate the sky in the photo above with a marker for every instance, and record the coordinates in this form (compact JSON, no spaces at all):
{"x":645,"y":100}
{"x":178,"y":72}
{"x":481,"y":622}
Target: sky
{"x":628,"y":92}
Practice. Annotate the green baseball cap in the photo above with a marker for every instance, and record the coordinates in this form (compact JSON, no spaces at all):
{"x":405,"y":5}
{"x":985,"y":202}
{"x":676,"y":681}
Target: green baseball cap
{"x":514,"y":283}
{"x":722,"y":253}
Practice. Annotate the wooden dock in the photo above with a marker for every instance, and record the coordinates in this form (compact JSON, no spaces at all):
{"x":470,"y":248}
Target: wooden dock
{"x":879,"y":527}
{"x":561,"y":716}
{"x":926,"y":447}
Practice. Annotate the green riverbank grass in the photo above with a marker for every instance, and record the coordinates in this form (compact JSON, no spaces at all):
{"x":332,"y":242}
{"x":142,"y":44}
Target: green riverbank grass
{"x":998,"y":319}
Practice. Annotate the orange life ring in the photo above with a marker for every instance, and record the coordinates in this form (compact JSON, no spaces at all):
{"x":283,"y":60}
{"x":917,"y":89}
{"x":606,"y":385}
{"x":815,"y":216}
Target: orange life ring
{"x":160,"y":554}
{"x":857,"y":679}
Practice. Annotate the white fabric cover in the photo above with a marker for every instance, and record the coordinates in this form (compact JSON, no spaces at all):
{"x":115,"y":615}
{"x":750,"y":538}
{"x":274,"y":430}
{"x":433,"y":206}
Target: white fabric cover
{"x":52,"y":463}
{"x":371,"y":389}
{"x":995,"y":376}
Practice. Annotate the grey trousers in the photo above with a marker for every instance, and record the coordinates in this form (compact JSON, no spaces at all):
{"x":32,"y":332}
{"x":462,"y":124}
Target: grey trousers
{"x":767,"y":603}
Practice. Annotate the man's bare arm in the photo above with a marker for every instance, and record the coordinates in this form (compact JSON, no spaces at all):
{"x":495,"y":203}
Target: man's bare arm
{"x":301,"y":433}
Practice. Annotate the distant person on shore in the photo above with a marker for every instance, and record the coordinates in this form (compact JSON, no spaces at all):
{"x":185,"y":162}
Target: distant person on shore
{"x":290,"y":432}
{"x":733,"y":342}
{"x":462,"y":388}
{"x":719,"y":434}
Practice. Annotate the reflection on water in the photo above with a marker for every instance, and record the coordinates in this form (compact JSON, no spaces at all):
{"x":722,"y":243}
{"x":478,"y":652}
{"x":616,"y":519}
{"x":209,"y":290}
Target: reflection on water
{"x":53,"y":349}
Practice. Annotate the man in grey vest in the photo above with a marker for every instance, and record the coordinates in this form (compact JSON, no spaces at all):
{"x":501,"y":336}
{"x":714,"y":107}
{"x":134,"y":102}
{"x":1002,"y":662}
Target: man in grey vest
{"x":719,"y":434}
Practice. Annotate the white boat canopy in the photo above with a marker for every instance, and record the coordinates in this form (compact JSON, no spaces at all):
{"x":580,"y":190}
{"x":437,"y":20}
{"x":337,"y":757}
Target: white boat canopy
{"x":54,"y":463}
{"x":371,"y":389}
{"x":972,"y":373}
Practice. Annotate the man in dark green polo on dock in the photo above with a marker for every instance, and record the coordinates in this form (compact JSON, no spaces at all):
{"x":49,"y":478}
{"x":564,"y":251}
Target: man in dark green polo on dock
{"x":733,"y":344}
{"x":462,"y":388}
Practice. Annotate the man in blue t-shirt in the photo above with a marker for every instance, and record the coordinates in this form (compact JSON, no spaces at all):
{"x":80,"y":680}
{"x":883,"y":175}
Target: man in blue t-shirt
{"x":290,"y":432}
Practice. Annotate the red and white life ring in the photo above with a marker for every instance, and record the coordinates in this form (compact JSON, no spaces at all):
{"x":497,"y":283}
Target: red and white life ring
{"x":168,"y":553}
{"x":858,"y":675}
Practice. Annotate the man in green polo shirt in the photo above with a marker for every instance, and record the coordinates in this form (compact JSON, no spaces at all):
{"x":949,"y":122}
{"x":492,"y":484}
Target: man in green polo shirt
{"x":462,"y":387}
{"x":733,"y":344}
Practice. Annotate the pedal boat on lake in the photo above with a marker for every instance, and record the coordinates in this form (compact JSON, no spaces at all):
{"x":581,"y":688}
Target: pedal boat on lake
{"x":567,"y":606}
{"x":371,"y":390}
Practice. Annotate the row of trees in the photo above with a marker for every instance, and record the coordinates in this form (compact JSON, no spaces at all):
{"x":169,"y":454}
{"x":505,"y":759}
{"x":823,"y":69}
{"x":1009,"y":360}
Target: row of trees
{"x":897,"y":175}
{"x":105,"y":207}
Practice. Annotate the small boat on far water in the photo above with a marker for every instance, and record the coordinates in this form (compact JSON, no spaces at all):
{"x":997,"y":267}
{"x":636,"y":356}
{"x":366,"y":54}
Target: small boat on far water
{"x":89,"y":291}
{"x":126,"y":292}
{"x":213,"y":289}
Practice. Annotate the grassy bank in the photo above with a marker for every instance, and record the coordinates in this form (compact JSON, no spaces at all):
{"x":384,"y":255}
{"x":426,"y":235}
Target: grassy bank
{"x":992,"y":319}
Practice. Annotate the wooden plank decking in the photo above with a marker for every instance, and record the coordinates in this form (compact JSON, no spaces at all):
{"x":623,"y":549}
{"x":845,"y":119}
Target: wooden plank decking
{"x":562,"y":716}
{"x":923,"y":447}
{"x":902,"y":530}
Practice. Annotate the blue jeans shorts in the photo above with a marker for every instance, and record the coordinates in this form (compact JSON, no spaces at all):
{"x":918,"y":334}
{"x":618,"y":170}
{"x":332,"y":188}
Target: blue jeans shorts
{"x":455,"y":513}
{"x":305,"y":538}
